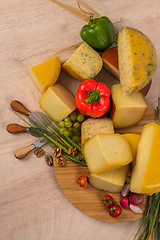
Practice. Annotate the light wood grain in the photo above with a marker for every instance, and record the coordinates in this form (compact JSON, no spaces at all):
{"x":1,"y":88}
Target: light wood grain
{"x":32,"y":205}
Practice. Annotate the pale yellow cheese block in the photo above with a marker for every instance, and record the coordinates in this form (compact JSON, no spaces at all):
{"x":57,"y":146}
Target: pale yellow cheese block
{"x":145,"y":176}
{"x":137,"y":59}
{"x":46,"y":73}
{"x":93,"y":126}
{"x":111,"y":181}
{"x":126,"y":110}
{"x":84,"y":63}
{"x":133,"y":140}
{"x":107,"y":152}
{"x":57,"y":102}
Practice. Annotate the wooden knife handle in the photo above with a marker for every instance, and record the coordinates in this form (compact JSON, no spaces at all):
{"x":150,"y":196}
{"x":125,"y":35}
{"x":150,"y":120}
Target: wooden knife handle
{"x":18,"y":107}
{"x":16,"y":128}
{"x":22,"y":152}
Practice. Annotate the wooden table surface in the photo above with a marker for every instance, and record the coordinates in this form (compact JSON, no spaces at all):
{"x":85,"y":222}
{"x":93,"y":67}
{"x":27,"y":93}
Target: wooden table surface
{"x":32,"y":205}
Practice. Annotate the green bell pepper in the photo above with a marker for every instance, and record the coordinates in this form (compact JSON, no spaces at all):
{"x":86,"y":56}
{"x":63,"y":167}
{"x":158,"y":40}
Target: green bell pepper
{"x":99,"y":33}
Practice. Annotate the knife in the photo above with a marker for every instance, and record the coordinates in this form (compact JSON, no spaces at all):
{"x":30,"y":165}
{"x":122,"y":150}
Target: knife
{"x":23,"y":151}
{"x":39,"y":117}
{"x":16,"y":128}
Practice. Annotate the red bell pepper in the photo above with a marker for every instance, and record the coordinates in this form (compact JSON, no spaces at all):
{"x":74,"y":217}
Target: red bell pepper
{"x":93,"y":98}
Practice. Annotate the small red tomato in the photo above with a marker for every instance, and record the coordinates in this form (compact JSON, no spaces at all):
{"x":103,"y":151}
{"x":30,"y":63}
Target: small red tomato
{"x":107,"y":200}
{"x":115,"y":210}
{"x":82,"y":181}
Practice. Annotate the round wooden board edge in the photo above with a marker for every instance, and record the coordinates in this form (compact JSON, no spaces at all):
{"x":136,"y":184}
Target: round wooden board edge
{"x":87,"y":200}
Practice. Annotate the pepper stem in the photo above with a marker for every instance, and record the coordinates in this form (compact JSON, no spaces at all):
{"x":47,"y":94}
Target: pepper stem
{"x":91,"y":24}
{"x":93,"y":96}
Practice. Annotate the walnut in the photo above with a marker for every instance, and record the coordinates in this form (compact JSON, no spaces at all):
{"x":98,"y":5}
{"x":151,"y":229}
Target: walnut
{"x":72,"y":151}
{"x":49,"y":160}
{"x":61,"y":162}
{"x":57,"y":152}
{"x":39,"y":152}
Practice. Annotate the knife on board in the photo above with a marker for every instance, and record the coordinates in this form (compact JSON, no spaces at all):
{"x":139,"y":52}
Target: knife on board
{"x":23,"y":151}
{"x":42,"y":118}
{"x":16,"y":128}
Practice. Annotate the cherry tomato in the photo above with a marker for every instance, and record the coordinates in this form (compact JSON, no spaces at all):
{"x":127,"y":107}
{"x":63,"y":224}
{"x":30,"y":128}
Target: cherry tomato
{"x":82,"y":181}
{"x":107,"y":200}
{"x":115,"y":210}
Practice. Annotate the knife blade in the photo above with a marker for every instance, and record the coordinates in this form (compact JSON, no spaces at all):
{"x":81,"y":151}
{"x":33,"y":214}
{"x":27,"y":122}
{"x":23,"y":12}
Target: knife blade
{"x":23,"y":151}
{"x":16,"y":128}
{"x":39,"y":117}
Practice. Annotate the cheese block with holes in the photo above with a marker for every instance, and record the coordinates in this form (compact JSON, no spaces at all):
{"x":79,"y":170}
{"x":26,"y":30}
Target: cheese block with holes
{"x":107,"y":152}
{"x":145,"y":176}
{"x":46,"y":73}
{"x":137,"y":59}
{"x":111,"y":181}
{"x":84,"y":63}
{"x":57,"y":102}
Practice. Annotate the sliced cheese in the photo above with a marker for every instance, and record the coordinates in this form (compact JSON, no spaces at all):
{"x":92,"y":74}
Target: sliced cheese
{"x":46,"y":73}
{"x":133,"y":140}
{"x":84,"y":63}
{"x":126,"y":110}
{"x":107,"y":152}
{"x":145,"y":176}
{"x":57,"y":102}
{"x":111,"y":181}
{"x":94,"y":126}
{"x":137,"y":59}
{"x":110,"y":61}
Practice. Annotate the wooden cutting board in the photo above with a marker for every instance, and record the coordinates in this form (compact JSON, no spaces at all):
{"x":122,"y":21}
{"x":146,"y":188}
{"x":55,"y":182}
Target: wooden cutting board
{"x":87,"y":200}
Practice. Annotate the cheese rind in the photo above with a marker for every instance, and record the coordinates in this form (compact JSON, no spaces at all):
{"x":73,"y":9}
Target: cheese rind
{"x":137,"y":59}
{"x":93,"y":126}
{"x":107,"y":152}
{"x":145,"y":176}
{"x":111,"y":181}
{"x":110,"y":61}
{"x":84,"y":63}
{"x":46,"y":73}
{"x":57,"y":102}
{"x":126,"y":110}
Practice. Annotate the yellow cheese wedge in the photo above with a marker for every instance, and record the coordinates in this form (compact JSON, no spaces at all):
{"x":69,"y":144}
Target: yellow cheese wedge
{"x":111,"y":181}
{"x":57,"y":102}
{"x":137,"y":59}
{"x":133,"y":140}
{"x":107,"y":152}
{"x":126,"y":110}
{"x":84,"y":63}
{"x":46,"y":73}
{"x":94,"y":126}
{"x":145,"y":176}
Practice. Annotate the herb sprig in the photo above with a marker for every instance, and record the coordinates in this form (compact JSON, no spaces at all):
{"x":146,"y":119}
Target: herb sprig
{"x":50,"y":131}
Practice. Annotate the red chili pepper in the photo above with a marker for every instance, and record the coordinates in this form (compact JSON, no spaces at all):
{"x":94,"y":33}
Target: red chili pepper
{"x":93,"y":98}
{"x":82,"y":181}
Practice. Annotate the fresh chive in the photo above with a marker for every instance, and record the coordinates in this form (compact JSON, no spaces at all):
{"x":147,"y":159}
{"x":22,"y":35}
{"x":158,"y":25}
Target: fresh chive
{"x":50,"y":130}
